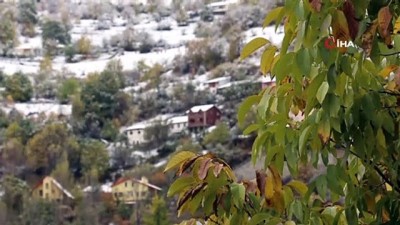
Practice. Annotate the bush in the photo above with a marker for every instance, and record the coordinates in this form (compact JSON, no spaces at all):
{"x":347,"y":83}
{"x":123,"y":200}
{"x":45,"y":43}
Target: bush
{"x":164,"y":25}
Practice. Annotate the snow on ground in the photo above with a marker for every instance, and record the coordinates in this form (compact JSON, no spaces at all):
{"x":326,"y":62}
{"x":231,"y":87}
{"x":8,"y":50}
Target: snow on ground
{"x":268,"y":33}
{"x":48,"y":109}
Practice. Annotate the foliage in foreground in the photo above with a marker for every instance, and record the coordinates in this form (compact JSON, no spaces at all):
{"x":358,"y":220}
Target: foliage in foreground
{"x":348,"y":96}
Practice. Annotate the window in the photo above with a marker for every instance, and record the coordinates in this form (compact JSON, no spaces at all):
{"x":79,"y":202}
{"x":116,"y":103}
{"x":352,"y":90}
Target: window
{"x":201,"y":119}
{"x":120,"y":194}
{"x":47,"y":186}
{"x":47,"y":195}
{"x":178,"y":125}
{"x":41,"y":193}
{"x":126,"y":184}
{"x":138,"y":131}
{"x":191,"y":120}
{"x":130,"y":132}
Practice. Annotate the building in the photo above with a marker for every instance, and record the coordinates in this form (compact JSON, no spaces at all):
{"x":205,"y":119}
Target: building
{"x":266,"y":81}
{"x":136,"y":132}
{"x":203,"y":116}
{"x":178,"y":124}
{"x":48,"y":188}
{"x":129,"y":190}
{"x":215,"y":83}
{"x":221,"y":7}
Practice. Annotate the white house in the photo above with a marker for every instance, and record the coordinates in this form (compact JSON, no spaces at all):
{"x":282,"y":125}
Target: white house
{"x":221,"y":7}
{"x":136,"y":132}
{"x":178,"y":124}
{"x":215,"y":83}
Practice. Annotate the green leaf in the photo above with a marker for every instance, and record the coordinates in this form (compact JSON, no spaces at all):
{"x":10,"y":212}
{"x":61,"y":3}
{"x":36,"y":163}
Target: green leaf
{"x":238,"y":194}
{"x":298,"y":210}
{"x":250,"y":129}
{"x":179,"y":185}
{"x":252,"y":46}
{"x":287,"y":39}
{"x":267,"y":58}
{"x":322,"y":91}
{"x":303,"y":138}
{"x":178,"y":159}
{"x":381,"y":140}
{"x":298,"y":186}
{"x":304,"y":61}
{"x":259,"y":218}
{"x":273,"y":15}
{"x":246,"y":106}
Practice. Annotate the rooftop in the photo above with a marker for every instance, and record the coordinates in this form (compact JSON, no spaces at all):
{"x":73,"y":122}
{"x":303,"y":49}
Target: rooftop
{"x":199,"y":108}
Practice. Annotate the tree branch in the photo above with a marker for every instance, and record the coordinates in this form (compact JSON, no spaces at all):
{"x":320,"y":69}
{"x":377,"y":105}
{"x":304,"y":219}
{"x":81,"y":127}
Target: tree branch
{"x":390,"y":54}
{"x":378,"y":170}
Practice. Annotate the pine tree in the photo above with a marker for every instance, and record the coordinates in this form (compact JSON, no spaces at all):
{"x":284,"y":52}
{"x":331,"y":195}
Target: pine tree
{"x":158,"y":212}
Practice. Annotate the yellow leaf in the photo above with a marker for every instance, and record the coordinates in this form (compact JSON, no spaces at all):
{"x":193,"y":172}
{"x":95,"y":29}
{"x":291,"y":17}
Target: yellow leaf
{"x":277,"y":178}
{"x":252,"y":46}
{"x":386,"y":71}
{"x":384,"y":21}
{"x":178,"y":159}
{"x":269,"y":187}
{"x":340,"y":27}
{"x":324,"y":131}
{"x":396,"y":28}
{"x":299,"y":186}
{"x":391,"y":86}
{"x":272,"y":16}
{"x":267,"y":59}
{"x":388,"y":187}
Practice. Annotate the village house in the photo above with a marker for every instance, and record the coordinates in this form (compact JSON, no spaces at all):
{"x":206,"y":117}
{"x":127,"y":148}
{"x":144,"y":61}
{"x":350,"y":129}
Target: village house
{"x":178,"y":124}
{"x":203,"y":116}
{"x":130,"y":190}
{"x":266,"y":81}
{"x":136,"y":132}
{"x":221,"y":7}
{"x":48,"y":188}
{"x":215,"y":83}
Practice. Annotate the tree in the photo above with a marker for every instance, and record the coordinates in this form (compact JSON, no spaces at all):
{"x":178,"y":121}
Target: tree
{"x":68,"y":89}
{"x":53,"y":34}
{"x":14,"y":197}
{"x":8,"y":36}
{"x":101,"y":104}
{"x":84,"y":46}
{"x":220,"y":135}
{"x":158,"y":212}
{"x":45,"y":148}
{"x":156,"y":134}
{"x":27,"y":16}
{"x":94,"y":158}
{"x":337,"y":67}
{"x":19,"y":87}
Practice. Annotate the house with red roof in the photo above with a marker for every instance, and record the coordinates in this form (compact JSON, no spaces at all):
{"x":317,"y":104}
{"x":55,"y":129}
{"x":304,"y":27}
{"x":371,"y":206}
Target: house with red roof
{"x":130,"y":190}
{"x":50,"y":189}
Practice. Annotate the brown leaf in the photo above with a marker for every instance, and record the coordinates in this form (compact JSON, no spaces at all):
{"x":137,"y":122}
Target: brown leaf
{"x":186,"y":165}
{"x":277,"y":178}
{"x":261,"y":178}
{"x":340,"y":28}
{"x":217,"y":169}
{"x":316,"y":5}
{"x":251,"y":186}
{"x":184,"y":199}
{"x":350,"y":13}
{"x":368,"y":37}
{"x":204,"y":166}
{"x":384,"y":21}
{"x":397,"y":79}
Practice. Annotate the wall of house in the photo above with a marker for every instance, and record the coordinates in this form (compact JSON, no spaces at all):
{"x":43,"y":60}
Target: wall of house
{"x":204,"y":119}
{"x":178,"y":127}
{"x":135,"y":136}
{"x":130,"y":191}
{"x":48,"y":190}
